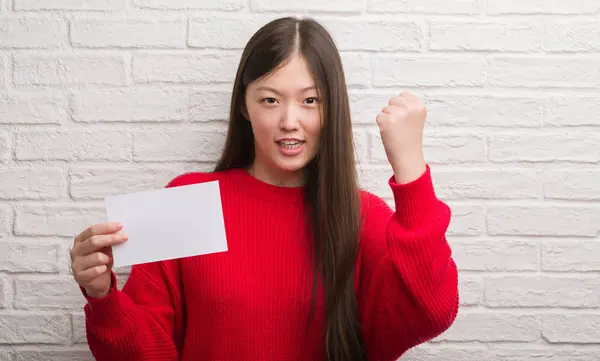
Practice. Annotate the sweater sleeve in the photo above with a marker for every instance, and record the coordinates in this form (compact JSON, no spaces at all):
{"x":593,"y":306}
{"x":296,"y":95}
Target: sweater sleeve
{"x":146,"y":319}
{"x":142,"y":322}
{"x":406,"y":280}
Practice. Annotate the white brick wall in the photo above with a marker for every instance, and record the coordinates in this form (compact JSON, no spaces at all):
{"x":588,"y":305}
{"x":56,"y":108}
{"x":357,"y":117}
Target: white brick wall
{"x":99,"y":97}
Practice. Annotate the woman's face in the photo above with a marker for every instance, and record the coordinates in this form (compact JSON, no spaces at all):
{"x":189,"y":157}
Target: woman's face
{"x":285,"y":113}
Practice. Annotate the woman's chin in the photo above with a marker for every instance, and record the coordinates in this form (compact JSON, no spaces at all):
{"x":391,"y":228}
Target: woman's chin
{"x":291,"y":165}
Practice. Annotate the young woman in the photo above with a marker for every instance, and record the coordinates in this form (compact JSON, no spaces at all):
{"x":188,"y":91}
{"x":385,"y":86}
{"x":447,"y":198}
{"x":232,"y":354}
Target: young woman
{"x":316,"y":269}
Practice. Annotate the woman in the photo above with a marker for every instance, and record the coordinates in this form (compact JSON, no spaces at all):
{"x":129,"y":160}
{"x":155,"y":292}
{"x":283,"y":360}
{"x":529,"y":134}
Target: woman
{"x":316,"y":269}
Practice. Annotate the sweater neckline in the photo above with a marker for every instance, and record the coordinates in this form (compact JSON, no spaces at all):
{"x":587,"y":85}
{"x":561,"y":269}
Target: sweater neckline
{"x":267,"y":191}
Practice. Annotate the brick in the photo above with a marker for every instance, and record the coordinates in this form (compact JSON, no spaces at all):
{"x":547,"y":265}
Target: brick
{"x":121,"y":277}
{"x":56,"y":220}
{"x":536,"y":220}
{"x":443,"y":353}
{"x":345,"y":6}
{"x":227,"y":5}
{"x":29,"y":256}
{"x":541,"y":291}
{"x":3,"y":70}
{"x":47,"y":293}
{"x":483,"y":111}
{"x":54,"y":355}
{"x":128,"y":33}
{"x":182,"y":145}
{"x":27,"y":32}
{"x":240,"y":27}
{"x":453,"y":149}
{"x":375,"y":180}
{"x":503,"y":255}
{"x":492,"y":327}
{"x":131,"y":105}
{"x":206,"y":68}
{"x":4,"y":147}
{"x":100,"y":181}
{"x":467,"y":220}
{"x":111,"y":145}
{"x":3,"y":293}
{"x":470,"y":290}
{"x":37,"y":183}
{"x":374,"y":35}
{"x":122,"y":271}
{"x":464,"y":7}
{"x":79,"y":331}
{"x":488,"y":184}
{"x":580,"y":328}
{"x":469,"y":352}
{"x":571,"y":111}
{"x":571,"y":256}
{"x":207,"y":105}
{"x":33,"y":108}
{"x":571,"y":353}
{"x":520,"y":36}
{"x":438,"y":149}
{"x":83,"y":5}
{"x":579,"y":184}
{"x":537,"y":7}
{"x":361,"y":145}
{"x":79,"y":69}
{"x":537,"y":71}
{"x":5,"y":220}
{"x":572,"y":36}
{"x":563,"y":147}
{"x":25,"y":328}
{"x":357,"y":69}
{"x":393,"y":71}
{"x":364,"y":107}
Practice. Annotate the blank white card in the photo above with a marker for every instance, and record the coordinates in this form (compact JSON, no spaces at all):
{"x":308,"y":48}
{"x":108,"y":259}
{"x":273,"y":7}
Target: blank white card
{"x":168,"y":223}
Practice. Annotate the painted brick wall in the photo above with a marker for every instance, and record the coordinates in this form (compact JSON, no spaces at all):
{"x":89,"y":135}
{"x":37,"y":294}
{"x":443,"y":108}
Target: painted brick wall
{"x":99,"y":97}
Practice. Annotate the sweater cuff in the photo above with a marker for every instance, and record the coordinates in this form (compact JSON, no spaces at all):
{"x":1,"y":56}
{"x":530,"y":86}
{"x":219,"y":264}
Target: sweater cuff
{"x":415,"y":200}
{"x":104,"y":311}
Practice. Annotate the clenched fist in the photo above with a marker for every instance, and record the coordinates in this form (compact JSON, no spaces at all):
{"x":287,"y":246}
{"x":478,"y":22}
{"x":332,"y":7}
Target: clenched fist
{"x":401,"y":124}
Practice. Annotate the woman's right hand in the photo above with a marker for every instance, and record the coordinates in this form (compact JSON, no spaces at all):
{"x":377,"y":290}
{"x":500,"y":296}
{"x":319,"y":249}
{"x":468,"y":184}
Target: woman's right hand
{"x":91,"y":257}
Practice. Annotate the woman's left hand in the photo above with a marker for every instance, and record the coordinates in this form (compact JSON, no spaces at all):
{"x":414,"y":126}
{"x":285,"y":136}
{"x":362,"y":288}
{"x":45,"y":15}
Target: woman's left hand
{"x":401,"y":125}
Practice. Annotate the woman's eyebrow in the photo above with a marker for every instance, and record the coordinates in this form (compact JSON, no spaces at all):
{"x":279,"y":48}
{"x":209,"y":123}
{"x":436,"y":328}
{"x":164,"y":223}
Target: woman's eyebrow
{"x":303,"y":90}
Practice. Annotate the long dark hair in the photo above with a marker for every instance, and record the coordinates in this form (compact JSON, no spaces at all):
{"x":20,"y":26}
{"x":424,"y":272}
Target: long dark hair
{"x":331,"y":190}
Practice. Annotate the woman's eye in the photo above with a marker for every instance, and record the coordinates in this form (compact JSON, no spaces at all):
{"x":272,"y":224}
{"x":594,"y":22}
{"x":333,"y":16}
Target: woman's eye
{"x":312,"y":100}
{"x":270,"y":100}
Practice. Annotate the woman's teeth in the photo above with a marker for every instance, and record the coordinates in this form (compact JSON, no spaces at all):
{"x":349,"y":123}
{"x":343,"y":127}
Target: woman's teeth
{"x":290,"y":143}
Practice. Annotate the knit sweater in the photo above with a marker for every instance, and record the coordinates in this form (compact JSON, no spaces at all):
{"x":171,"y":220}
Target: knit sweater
{"x":252,"y":301}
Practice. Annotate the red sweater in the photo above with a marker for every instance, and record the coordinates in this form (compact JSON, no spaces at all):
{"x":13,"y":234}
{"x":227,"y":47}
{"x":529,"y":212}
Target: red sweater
{"x":252,"y":302}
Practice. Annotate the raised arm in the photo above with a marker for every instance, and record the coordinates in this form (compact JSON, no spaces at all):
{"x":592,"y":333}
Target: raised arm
{"x":407,"y":284}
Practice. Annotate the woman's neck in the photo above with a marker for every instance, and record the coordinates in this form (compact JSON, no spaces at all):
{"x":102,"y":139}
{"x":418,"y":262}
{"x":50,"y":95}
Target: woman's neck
{"x":280,"y":179}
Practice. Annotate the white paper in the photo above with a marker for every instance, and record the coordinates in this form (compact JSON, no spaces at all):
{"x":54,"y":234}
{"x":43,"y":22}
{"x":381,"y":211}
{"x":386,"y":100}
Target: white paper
{"x":168,"y":223}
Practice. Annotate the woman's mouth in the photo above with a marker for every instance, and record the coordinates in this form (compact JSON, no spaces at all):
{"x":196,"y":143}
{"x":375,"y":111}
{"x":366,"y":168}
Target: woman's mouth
{"x":290,"y":147}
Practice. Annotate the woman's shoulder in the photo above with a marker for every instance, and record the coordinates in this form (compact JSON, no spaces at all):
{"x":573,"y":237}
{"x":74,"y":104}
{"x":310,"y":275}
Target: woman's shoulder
{"x":197,"y":177}
{"x":370,"y":200}
{"x":373,"y":208}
